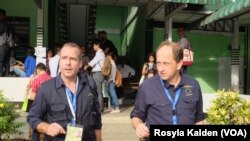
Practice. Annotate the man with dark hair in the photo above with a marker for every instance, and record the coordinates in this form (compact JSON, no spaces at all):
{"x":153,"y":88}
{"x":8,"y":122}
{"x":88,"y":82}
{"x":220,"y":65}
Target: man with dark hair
{"x":184,"y":44}
{"x":3,"y":39}
{"x":97,"y":63}
{"x":107,"y":45}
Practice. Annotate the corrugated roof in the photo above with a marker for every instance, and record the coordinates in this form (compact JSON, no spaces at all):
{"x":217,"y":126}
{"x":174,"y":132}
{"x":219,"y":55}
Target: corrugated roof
{"x":234,"y":8}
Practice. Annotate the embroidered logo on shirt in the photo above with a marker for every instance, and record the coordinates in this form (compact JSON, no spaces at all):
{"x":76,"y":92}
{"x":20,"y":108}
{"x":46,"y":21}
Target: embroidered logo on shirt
{"x":188,"y":90}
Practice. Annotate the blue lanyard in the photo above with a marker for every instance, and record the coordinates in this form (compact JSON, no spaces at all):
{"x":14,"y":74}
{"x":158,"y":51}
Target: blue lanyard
{"x":72,"y":102}
{"x":177,"y":95}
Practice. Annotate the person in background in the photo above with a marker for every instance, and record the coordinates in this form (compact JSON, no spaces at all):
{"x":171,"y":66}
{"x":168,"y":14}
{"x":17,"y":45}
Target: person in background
{"x":97,"y":63}
{"x":85,"y":60}
{"x":11,"y":64}
{"x":111,"y":84}
{"x":156,"y":101}
{"x":36,"y":82}
{"x":32,"y":136}
{"x":3,"y":39}
{"x":149,"y":68}
{"x":49,"y":55}
{"x":41,"y":77}
{"x":28,"y":68}
{"x":184,"y":43}
{"x":127,"y":74}
{"x":107,"y":45}
{"x":67,"y":103}
{"x":54,"y":61}
{"x":125,"y":68}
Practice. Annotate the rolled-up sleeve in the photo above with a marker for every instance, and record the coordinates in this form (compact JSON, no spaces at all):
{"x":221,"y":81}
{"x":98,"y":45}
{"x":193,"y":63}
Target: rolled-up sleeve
{"x":98,"y":59}
{"x":200,"y":115}
{"x":37,"y":109}
{"x":139,"y":110}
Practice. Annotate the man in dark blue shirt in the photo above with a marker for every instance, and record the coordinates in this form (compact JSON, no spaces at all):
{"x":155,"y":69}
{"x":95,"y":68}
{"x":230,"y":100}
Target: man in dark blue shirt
{"x":67,"y":102}
{"x":169,"y":97}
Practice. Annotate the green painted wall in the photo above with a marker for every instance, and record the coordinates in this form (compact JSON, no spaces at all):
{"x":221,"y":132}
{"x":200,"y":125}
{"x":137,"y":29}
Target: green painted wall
{"x":109,"y":18}
{"x":134,"y":41}
{"x":26,"y":8}
{"x":158,"y":37}
{"x":208,"y":49}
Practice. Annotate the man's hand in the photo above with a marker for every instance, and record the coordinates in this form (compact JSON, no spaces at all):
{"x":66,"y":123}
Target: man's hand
{"x":55,"y":129}
{"x":142,"y":130}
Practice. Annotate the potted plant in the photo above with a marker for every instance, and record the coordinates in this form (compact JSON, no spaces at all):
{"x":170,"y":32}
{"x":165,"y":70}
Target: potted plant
{"x":229,"y":108}
{"x":8,"y":116}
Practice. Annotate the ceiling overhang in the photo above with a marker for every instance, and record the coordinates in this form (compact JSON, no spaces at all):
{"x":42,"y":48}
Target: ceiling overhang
{"x":196,"y":11}
{"x":235,"y":9}
{"x":179,"y":12}
{"x":201,"y":12}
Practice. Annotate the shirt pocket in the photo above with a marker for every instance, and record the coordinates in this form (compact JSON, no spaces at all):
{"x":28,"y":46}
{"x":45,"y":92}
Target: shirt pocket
{"x":189,"y":105}
{"x":58,"y":114}
{"x":163,"y":108}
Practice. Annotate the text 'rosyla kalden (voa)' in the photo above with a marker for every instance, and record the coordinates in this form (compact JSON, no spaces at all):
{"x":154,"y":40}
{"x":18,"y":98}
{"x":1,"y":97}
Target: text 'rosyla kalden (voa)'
{"x":188,"y":132}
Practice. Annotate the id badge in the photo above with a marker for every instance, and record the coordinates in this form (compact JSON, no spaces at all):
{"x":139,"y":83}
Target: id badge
{"x":74,"y":133}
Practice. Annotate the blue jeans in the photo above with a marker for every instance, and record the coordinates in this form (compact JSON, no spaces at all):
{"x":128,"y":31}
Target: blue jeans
{"x":19,"y":72}
{"x":112,"y":93}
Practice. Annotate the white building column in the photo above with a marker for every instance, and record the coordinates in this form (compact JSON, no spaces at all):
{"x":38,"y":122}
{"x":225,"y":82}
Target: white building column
{"x":235,"y":83}
{"x":168,"y":29}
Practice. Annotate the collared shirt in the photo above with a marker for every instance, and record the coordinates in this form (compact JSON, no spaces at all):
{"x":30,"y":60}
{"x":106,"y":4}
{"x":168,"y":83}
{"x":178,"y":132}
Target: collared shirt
{"x":53,"y":66}
{"x":184,"y":43}
{"x":97,"y":61}
{"x":38,"y":81}
{"x":152,"y":105}
{"x":30,"y":65}
{"x":51,"y":105}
